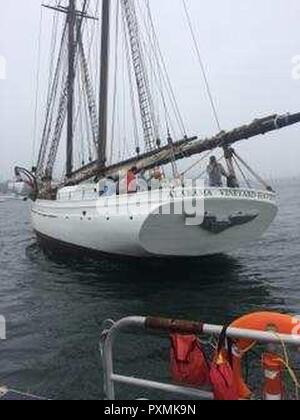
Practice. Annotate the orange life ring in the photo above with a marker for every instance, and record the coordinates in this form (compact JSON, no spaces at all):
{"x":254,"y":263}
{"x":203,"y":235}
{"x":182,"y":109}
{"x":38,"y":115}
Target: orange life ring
{"x":261,"y":321}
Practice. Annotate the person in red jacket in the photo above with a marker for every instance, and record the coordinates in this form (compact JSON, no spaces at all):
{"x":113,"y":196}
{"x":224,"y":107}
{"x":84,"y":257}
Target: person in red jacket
{"x":132,"y":184}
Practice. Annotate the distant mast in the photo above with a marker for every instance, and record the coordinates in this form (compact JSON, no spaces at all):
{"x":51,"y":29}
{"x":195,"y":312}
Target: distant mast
{"x":103,"y":101}
{"x":71,"y":80}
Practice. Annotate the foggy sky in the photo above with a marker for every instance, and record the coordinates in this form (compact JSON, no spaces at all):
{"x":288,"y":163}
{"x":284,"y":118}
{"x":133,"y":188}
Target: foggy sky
{"x":247,"y":46}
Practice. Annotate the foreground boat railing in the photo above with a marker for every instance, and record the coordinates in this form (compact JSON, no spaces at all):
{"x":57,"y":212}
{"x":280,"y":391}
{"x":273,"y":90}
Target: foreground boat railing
{"x":152,"y":325}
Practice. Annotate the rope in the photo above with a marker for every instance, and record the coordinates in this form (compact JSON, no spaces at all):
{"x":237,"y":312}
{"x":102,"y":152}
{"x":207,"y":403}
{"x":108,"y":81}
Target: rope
{"x":248,"y":349}
{"x":52,"y":53}
{"x":161,"y":80}
{"x":201,"y":63}
{"x":88,"y":121}
{"x":62,"y":110}
{"x":80,"y":124}
{"x":242,"y":172}
{"x":37,"y":81}
{"x":256,"y":176}
{"x":52,"y":94}
{"x":131,"y":84}
{"x":195,"y":164}
{"x":168,"y":120}
{"x":164,"y":72}
{"x":115,"y":85}
{"x":158,"y":76}
{"x":121,"y":115}
{"x":123,"y":138}
{"x":286,"y":363}
{"x":87,"y":83}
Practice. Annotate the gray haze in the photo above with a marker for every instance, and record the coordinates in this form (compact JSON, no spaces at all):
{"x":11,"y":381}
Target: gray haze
{"x":247,"y":46}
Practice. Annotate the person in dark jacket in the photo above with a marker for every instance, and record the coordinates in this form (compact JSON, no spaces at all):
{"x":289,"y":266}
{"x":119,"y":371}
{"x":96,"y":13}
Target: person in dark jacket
{"x":215,"y":172}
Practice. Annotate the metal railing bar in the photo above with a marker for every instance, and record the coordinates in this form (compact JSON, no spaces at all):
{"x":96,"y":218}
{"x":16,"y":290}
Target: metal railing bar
{"x":168,"y":388}
{"x":259,"y":336}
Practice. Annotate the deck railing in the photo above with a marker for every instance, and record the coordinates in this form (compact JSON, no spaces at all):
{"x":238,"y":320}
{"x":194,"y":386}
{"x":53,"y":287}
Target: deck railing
{"x":167,"y":326}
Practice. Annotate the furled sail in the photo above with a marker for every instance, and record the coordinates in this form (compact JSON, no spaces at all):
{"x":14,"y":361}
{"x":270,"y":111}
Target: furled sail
{"x":188,"y":147}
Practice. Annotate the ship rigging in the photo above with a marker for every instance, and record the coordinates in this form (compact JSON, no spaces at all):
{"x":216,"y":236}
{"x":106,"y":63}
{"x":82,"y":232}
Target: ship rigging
{"x":136,"y":99}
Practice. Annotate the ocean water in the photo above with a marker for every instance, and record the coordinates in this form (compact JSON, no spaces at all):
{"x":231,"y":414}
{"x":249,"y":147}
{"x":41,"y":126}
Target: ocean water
{"x":54,"y":307}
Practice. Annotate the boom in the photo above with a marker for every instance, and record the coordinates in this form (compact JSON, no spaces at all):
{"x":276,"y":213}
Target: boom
{"x":188,"y":147}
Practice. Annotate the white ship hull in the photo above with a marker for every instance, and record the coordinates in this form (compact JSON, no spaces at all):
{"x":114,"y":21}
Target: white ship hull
{"x":80,"y":220}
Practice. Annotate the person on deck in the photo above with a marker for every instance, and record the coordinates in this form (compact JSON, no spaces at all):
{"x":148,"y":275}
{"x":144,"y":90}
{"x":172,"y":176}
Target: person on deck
{"x":132,"y":182}
{"x":215,"y":172}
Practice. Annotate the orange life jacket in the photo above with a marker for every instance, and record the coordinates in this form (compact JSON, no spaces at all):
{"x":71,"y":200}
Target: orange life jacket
{"x":188,"y":363}
{"x":222,"y":376}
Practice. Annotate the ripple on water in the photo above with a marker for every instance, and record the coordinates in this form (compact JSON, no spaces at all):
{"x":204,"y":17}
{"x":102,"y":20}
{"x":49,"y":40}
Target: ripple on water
{"x":54,"y":308}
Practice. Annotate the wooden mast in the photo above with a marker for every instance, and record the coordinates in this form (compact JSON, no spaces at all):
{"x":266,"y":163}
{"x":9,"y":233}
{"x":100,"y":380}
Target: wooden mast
{"x":71,"y":80}
{"x":103,"y":100}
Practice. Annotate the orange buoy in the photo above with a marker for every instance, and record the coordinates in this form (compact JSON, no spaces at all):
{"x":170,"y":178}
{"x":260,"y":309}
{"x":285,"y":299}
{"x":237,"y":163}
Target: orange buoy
{"x":273,"y":375}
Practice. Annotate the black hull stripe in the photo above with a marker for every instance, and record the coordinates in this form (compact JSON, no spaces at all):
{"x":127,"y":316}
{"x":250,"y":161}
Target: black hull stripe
{"x":57,"y":246}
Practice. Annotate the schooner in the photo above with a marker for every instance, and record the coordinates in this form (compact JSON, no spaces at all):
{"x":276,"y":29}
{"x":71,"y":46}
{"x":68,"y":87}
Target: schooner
{"x":77,"y":211}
